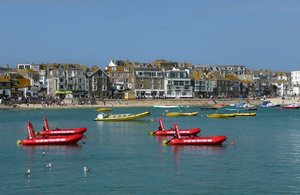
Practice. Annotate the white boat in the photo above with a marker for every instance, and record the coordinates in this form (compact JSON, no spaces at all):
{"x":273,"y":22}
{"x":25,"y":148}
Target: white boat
{"x":269,"y":104}
{"x":171,"y":107}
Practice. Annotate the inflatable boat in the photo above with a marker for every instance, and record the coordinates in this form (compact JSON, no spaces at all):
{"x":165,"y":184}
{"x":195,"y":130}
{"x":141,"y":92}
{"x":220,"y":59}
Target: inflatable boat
{"x":181,"y":114}
{"x":48,"y":140}
{"x":120,"y":117}
{"x":59,"y":131}
{"x":178,"y":140}
{"x":163,"y":132}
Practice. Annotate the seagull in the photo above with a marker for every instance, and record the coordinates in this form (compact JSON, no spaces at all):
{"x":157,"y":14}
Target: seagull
{"x":43,"y":154}
{"x":85,"y":169}
{"x":28,"y":172}
{"x":48,"y":166}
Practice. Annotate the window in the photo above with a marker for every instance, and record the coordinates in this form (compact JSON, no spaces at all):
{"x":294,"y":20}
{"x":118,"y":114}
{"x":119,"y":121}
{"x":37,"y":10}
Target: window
{"x":104,"y":87}
{"x":127,"y":75}
{"x":120,"y":75}
{"x":114,"y":68}
{"x":104,"y":81}
{"x":95,"y":80}
{"x":112,"y":74}
{"x":126,"y":69}
{"x":142,"y":79}
{"x":113,"y":80}
{"x":94,"y":88}
{"x":60,"y":73}
{"x":141,"y":85}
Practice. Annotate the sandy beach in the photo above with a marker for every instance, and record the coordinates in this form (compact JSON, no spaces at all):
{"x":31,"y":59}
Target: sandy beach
{"x":151,"y":102}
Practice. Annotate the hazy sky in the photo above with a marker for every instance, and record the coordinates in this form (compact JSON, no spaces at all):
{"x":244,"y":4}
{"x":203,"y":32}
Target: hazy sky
{"x":255,"y":33}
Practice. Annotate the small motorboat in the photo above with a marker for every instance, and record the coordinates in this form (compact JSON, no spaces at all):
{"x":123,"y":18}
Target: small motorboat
{"x":103,"y":109}
{"x":291,"y":106}
{"x":234,"y":109}
{"x":192,"y":140}
{"x":59,"y":131}
{"x":218,"y":105}
{"x":120,"y":117}
{"x":267,"y":104}
{"x":208,"y":108}
{"x":171,"y":107}
{"x":181,"y":114}
{"x":48,"y":140}
{"x":245,"y":114}
{"x":163,"y":132}
{"x":218,"y":115}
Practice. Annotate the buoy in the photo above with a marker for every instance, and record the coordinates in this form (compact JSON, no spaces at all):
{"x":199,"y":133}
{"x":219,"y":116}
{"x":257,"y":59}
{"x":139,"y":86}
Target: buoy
{"x":151,"y":133}
{"x":232,"y":143}
{"x":36,"y":133}
{"x":151,"y":120}
{"x":19,"y":142}
{"x":201,"y":115}
{"x":165,"y":142}
{"x":163,"y":113}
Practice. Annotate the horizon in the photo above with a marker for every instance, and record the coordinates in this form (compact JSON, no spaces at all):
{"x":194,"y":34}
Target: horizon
{"x":256,"y":34}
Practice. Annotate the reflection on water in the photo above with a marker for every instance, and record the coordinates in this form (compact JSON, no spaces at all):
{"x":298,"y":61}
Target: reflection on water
{"x":204,"y":149}
{"x":58,"y":149}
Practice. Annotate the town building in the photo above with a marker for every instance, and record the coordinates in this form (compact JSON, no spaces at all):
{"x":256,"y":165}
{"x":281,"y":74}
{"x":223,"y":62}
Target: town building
{"x":65,"y":79}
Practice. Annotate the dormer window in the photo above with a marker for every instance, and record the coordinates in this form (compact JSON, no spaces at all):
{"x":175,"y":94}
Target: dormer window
{"x":71,"y":66}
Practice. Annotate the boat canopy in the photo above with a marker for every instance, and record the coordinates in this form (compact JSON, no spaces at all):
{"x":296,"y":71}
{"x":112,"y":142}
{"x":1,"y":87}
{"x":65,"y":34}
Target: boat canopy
{"x":240,"y":105}
{"x":266,"y":102}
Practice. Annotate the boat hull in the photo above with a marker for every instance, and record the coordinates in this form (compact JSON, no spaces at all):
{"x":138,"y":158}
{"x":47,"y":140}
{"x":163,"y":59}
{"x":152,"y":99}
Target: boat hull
{"x":72,"y":139}
{"x":208,"y":108}
{"x":125,"y":118}
{"x":184,"y":132}
{"x":220,"y":115}
{"x":245,"y":114}
{"x":181,"y":114}
{"x":199,"y":140}
{"x":64,"y":131}
{"x":287,"y":107}
{"x":103,"y":109}
{"x":170,"y":107}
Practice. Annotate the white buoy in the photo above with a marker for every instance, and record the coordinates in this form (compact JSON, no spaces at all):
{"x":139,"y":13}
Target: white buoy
{"x":85,"y":169}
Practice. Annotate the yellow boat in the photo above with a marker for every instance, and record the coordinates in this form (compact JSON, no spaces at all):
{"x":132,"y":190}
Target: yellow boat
{"x":181,"y":114}
{"x":103,"y":109}
{"x":221,"y":115}
{"x":120,"y":117}
{"x":245,"y":114}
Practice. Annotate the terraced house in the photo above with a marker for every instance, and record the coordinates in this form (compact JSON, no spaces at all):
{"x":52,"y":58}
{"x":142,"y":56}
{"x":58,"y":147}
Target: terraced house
{"x":121,"y":74}
{"x":65,"y":79}
{"x":99,"y":83}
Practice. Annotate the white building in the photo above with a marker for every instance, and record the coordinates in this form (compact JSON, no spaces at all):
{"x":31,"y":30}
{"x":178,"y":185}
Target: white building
{"x":295,"y":81}
{"x":178,"y":84}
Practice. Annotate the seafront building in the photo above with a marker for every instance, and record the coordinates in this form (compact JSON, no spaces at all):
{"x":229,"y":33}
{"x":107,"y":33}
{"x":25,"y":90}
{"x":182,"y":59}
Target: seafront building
{"x":159,"y":79}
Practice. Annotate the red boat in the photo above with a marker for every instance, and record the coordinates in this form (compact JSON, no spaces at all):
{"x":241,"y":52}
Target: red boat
{"x":178,"y":140}
{"x":185,"y":132}
{"x":59,"y":131}
{"x":45,"y":140}
{"x":291,"y":106}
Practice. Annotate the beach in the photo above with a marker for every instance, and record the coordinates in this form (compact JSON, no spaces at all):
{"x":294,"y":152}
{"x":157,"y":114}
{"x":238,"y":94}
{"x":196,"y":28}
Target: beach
{"x":67,"y":103}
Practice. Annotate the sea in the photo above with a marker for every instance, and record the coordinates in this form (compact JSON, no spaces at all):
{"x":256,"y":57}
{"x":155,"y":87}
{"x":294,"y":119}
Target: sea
{"x":260,"y":156}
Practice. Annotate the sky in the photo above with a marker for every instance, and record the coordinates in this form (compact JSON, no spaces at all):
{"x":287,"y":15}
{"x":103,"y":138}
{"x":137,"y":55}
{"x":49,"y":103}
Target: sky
{"x":259,"y":34}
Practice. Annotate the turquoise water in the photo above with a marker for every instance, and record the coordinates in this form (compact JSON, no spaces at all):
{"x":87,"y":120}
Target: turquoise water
{"x":124,"y":159}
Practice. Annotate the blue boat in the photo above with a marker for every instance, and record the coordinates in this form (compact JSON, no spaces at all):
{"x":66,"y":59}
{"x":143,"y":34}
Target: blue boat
{"x":234,"y":109}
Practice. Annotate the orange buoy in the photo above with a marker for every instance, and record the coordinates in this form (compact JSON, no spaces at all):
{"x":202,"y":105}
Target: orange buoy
{"x":232,"y":143}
